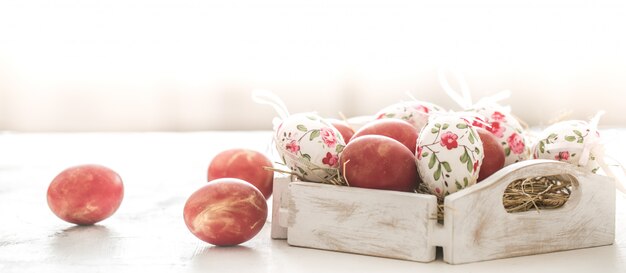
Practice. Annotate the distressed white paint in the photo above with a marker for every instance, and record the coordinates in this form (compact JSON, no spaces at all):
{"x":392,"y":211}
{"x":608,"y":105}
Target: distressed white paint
{"x":477,"y":227}
{"x":279,"y":201}
{"x":373,"y":222}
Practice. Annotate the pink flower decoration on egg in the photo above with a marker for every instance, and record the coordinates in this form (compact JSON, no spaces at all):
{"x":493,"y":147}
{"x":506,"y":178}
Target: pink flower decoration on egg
{"x":562,"y":156}
{"x":448,"y":140}
{"x":497,"y":116}
{"x":328,"y":136}
{"x":422,"y":108}
{"x":330,"y":160}
{"x":419,"y":151}
{"x":496,"y":129}
{"x":478,"y":122}
{"x":516,"y":143}
{"x":293,"y":146}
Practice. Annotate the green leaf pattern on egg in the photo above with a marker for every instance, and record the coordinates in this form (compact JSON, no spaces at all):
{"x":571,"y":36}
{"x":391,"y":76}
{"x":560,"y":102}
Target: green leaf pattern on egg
{"x":309,"y":146}
{"x":448,"y":152}
{"x":565,"y":141}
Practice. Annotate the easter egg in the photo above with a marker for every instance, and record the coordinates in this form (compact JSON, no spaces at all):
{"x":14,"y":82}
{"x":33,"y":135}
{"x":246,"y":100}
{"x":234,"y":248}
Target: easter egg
{"x":508,"y":131}
{"x":225,"y":212}
{"x":494,"y":154}
{"x":565,"y":141}
{"x":310,"y":146}
{"x":85,"y":194}
{"x":379,"y":162}
{"x":393,"y":128}
{"x":414,"y":112}
{"x":449,"y":154}
{"x":245,"y":164}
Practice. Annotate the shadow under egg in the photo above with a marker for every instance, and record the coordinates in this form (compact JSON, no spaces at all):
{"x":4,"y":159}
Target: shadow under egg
{"x":87,"y":243}
{"x":215,"y":258}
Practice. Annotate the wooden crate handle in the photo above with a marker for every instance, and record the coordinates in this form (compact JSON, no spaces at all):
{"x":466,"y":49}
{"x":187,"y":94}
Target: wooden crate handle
{"x":492,"y":189}
{"x":477,"y":227}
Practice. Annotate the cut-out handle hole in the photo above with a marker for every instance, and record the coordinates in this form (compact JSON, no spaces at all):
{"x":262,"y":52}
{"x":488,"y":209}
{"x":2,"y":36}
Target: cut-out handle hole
{"x":538,"y":193}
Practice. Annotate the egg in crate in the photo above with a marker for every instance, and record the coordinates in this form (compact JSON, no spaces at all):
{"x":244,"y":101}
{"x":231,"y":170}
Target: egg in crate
{"x":310,"y":146}
{"x":574,"y":141}
{"x":508,"y":131}
{"x":449,"y":154}
{"x":414,"y":112}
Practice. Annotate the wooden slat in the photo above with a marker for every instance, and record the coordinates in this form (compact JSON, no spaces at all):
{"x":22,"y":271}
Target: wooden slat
{"x":364,"y":221}
{"x":280,"y":196}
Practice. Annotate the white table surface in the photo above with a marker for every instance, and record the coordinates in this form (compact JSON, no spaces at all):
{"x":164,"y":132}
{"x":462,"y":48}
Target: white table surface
{"x":147,"y":233}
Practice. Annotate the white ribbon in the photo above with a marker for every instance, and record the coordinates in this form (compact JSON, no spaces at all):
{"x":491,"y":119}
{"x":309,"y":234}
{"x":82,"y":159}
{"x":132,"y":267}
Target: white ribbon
{"x":464,"y":98}
{"x":408,"y":93}
{"x":593,"y":144}
{"x":267,"y":97}
{"x":493,"y":101}
{"x":592,"y":140}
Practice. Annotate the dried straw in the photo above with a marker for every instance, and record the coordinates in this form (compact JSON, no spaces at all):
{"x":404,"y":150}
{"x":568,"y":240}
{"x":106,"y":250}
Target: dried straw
{"x":423,"y":189}
{"x":545,"y":192}
{"x":337,"y":180}
{"x":534,"y":193}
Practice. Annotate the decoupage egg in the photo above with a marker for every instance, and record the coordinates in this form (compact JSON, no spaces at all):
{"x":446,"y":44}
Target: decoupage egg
{"x":507,"y":130}
{"x":310,"y":146}
{"x":566,"y":140}
{"x":414,"y":112}
{"x":449,"y":154}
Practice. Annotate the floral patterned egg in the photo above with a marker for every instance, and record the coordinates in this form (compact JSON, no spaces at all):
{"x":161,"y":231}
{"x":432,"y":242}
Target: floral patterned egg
{"x":310,"y":146}
{"x":449,"y":154}
{"x":414,"y":112}
{"x":565,"y":141}
{"x":507,"y":130}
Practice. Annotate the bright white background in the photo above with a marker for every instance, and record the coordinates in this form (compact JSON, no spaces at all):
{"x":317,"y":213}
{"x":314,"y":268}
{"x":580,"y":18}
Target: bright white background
{"x":138,"y":65}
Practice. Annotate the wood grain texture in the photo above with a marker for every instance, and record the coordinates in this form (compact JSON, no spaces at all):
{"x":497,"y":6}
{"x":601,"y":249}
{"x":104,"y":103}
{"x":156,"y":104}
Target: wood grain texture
{"x":372,"y":222}
{"x":279,"y":206}
{"x":476,"y":226}
{"x":479,"y":228}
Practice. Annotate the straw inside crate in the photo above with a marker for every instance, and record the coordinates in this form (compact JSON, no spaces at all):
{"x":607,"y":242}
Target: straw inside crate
{"x":532,"y":193}
{"x":546,"y":192}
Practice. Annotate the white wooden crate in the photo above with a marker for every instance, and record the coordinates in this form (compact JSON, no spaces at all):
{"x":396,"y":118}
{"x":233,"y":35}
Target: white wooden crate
{"x":476,"y":226}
